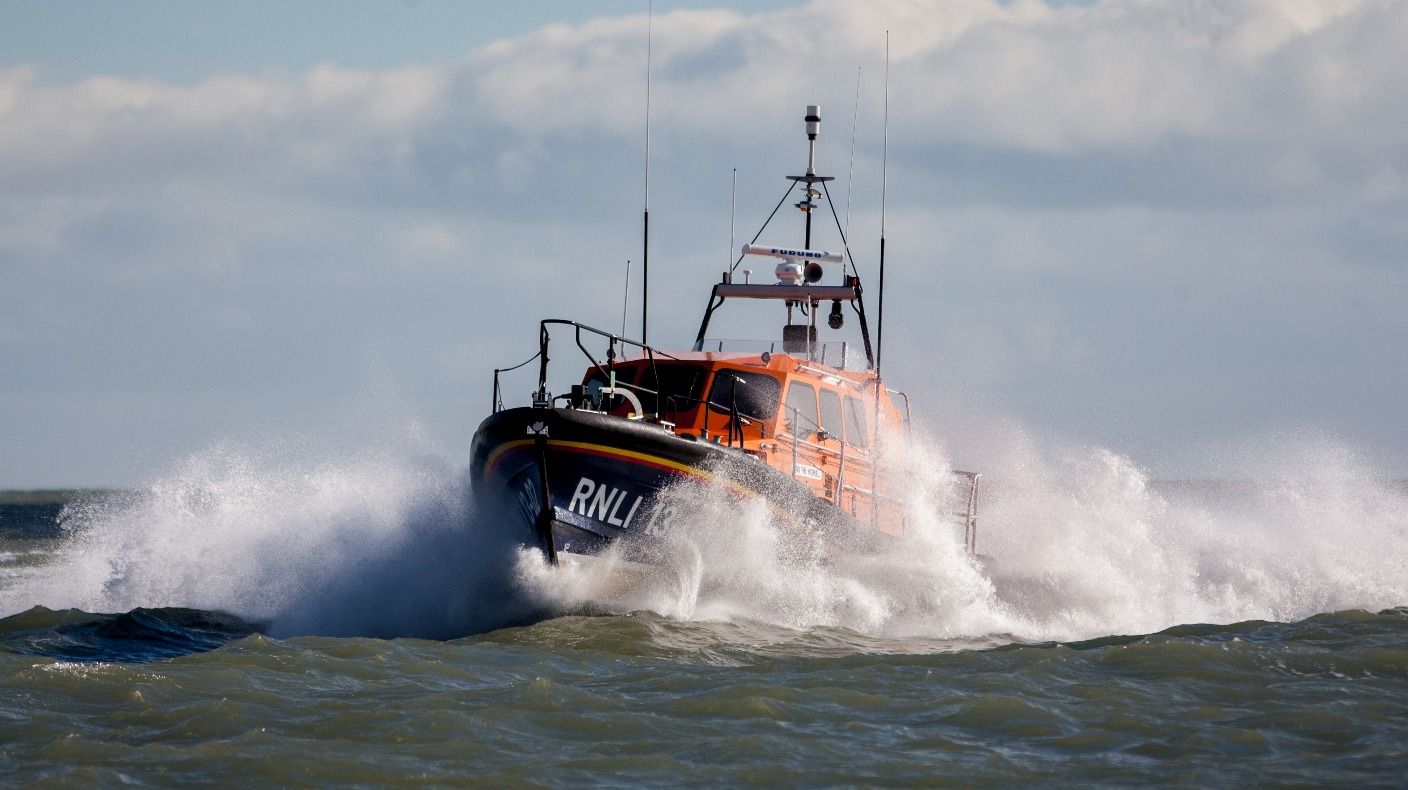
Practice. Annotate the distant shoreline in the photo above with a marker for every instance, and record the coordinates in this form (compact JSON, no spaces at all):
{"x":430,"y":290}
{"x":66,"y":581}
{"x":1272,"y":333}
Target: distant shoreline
{"x":51,"y":496}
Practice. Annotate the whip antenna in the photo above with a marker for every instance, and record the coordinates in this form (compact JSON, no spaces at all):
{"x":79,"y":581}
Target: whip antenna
{"x":732,"y":213}
{"x":626,"y":299}
{"x":850,"y":174}
{"x":884,"y":194}
{"x":645,"y":228}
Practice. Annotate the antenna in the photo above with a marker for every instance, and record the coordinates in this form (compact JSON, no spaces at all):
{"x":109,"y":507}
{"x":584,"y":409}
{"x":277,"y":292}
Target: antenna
{"x":850,"y":174}
{"x":645,"y":229}
{"x":626,"y":299}
{"x":884,"y":194}
{"x":732,"y":214}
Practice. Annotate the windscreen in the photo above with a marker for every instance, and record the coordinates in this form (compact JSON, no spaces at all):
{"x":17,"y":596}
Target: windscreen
{"x":754,"y":394}
{"x":677,"y":390}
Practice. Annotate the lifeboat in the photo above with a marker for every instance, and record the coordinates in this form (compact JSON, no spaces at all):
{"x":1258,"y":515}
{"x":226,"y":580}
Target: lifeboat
{"x":797,"y":423}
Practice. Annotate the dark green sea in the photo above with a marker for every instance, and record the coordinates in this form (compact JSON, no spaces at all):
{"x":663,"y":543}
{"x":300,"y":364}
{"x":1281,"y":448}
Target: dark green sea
{"x":276,"y":622}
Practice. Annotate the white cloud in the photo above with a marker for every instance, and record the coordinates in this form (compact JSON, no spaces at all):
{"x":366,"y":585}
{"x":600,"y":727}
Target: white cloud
{"x":1315,"y":78}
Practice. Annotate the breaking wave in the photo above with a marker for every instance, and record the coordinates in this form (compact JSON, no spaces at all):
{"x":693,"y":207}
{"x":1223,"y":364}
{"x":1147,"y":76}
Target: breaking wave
{"x":1078,"y":547}
{"x":380,"y":544}
{"x":385,"y":543}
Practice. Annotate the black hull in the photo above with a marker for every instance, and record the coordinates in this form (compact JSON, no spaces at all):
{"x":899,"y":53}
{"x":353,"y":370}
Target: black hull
{"x":578,"y":481}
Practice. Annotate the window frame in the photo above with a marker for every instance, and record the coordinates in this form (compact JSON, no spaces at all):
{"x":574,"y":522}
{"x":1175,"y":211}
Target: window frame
{"x":855,"y":407}
{"x":789,"y":413}
{"x":822,"y":394}
{"x":724,"y":407}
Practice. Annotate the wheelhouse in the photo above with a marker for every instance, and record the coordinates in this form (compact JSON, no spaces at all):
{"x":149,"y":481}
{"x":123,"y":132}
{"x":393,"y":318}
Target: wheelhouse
{"x":718,"y":396}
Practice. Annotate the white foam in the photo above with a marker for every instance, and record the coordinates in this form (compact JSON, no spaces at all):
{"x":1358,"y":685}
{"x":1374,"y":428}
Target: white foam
{"x":386,"y":543}
{"x":379,"y":544}
{"x":1084,"y":546}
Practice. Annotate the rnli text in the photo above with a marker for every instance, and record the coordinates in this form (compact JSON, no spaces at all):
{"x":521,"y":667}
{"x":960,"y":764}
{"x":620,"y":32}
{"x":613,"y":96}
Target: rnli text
{"x":605,"y":506}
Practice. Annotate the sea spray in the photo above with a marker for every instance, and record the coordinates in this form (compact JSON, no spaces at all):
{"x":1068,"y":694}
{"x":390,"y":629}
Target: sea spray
{"x":1082,"y":543}
{"x":1076,"y":545}
{"x":1089,"y":546}
{"x":722,"y":558}
{"x":377,"y":544}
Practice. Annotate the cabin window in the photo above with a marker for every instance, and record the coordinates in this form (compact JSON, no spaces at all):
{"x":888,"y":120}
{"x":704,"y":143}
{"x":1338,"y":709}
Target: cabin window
{"x":678,"y":390}
{"x":801,"y":409}
{"x":856,"y":431}
{"x":754,"y":394}
{"x":830,"y":413}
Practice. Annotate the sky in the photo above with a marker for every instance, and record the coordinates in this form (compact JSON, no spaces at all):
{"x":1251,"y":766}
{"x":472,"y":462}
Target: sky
{"x":1168,"y":229}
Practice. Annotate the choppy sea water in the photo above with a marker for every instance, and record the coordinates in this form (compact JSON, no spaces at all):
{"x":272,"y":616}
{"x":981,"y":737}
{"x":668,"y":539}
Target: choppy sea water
{"x":258,"y":616}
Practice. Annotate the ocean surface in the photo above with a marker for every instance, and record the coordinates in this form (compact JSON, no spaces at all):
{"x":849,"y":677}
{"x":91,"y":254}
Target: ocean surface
{"x":270,"y":618}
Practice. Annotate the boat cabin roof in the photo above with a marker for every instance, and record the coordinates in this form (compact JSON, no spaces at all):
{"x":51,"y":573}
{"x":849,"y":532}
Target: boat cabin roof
{"x":785,"y":364}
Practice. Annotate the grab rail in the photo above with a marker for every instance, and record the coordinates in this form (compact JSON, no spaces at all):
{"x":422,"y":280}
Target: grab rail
{"x":970,"y":514}
{"x":542,"y":398}
{"x":906,"y":407}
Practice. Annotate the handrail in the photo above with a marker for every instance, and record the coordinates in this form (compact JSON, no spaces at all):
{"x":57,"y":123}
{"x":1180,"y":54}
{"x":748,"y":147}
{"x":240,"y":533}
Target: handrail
{"x":970,"y":516}
{"x":804,"y":295}
{"x":541,"y":398}
{"x":840,"y":476}
{"x":891,"y":392}
{"x":858,"y":456}
{"x":826,"y":373}
{"x":875,"y":494}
